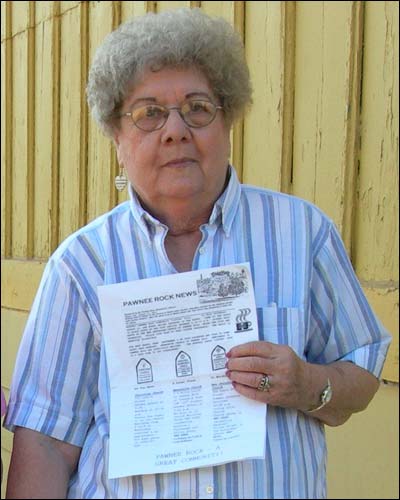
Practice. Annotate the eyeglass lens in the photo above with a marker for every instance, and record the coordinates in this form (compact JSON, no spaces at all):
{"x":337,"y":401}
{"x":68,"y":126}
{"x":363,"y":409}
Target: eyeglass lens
{"x":195,"y":113}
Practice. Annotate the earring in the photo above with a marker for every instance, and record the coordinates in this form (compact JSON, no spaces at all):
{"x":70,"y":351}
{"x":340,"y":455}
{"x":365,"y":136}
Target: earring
{"x":120,"y":180}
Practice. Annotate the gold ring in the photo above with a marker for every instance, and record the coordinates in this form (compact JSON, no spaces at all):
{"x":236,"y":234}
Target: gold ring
{"x":264,"y":384}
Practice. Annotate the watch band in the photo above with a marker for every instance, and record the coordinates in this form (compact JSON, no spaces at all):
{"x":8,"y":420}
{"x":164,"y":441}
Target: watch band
{"x":324,"y":398}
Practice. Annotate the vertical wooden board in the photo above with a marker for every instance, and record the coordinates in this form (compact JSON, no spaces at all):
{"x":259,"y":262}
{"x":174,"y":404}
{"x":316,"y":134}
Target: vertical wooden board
{"x":99,"y":165}
{"x":43,"y":138}
{"x":132,"y":9}
{"x":233,"y":13}
{"x":83,"y":117}
{"x":3,"y":21}
{"x":55,"y":119}
{"x":307,"y":107}
{"x":331,"y":165}
{"x":31,"y":49}
{"x":237,"y":130}
{"x":352,"y":146}
{"x":128,"y":10}
{"x":165,"y":5}
{"x":43,"y":11}
{"x":70,"y":87}
{"x":7,"y":117}
{"x":263,"y":123}
{"x":309,"y":53}
{"x":220,"y":9}
{"x":377,"y":223}
{"x":67,"y":5}
{"x":20,"y":16}
{"x":3,"y":148}
{"x":19,"y":136}
{"x":322,"y":58}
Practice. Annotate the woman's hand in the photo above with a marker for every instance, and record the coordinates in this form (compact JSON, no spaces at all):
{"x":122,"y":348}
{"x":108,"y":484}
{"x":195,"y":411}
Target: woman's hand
{"x":295,"y":383}
{"x":289,"y":376}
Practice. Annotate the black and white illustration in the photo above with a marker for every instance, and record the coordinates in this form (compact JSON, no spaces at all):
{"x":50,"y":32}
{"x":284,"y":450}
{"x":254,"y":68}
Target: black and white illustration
{"x":220,"y":285}
{"x":218,"y":358}
{"x":183,"y":365}
{"x":242,"y":323}
{"x":144,"y":371}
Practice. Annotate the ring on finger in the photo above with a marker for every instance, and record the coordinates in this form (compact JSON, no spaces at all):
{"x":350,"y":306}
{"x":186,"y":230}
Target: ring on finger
{"x":264,"y":384}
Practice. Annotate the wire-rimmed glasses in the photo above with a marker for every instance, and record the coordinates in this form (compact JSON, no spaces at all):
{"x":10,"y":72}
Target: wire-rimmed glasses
{"x":196,"y":113}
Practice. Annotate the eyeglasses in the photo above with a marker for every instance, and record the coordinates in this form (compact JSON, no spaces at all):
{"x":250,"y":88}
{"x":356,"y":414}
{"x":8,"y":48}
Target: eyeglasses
{"x":196,"y":113}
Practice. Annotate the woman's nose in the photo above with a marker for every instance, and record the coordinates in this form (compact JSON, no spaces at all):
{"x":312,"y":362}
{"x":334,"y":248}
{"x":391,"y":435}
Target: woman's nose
{"x":175,"y":129}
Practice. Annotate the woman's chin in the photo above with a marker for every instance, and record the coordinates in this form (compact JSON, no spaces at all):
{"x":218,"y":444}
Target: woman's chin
{"x":181,"y":188}
{"x":182,"y":193}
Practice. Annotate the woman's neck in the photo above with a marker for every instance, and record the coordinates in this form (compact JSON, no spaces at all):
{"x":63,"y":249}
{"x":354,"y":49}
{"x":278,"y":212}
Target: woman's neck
{"x":181,"y":217}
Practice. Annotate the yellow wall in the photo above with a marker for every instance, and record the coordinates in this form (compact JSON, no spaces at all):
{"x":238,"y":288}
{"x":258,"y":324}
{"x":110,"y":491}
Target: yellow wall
{"x":324,"y":126}
{"x":363,"y":454}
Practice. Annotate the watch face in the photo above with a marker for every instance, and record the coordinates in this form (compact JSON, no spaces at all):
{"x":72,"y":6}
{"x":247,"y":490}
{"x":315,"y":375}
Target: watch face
{"x":324,"y":398}
{"x":326,"y":395}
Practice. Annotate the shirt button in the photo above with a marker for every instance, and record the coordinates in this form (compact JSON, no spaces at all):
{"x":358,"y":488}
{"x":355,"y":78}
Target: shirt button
{"x":202,"y":250}
{"x":209,"y":489}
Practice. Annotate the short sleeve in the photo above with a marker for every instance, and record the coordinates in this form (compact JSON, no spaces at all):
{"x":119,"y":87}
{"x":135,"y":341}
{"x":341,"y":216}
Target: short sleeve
{"x":55,"y":377}
{"x":342,"y":324}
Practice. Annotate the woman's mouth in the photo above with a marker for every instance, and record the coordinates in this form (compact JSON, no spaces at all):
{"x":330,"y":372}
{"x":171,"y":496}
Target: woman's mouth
{"x":179,"y":162}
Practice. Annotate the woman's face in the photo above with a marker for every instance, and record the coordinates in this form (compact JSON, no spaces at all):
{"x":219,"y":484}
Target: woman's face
{"x":177,"y":162}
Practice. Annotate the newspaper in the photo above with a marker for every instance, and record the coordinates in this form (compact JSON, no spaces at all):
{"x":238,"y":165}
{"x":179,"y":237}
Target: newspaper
{"x":166,"y":339}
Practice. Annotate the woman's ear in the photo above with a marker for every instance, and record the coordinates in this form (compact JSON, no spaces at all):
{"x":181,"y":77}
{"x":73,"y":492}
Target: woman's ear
{"x":115,"y":138}
{"x":117,"y":145}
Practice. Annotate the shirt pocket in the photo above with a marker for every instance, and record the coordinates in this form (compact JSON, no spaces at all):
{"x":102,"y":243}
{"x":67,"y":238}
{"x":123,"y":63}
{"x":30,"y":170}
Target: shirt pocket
{"x":283,"y":325}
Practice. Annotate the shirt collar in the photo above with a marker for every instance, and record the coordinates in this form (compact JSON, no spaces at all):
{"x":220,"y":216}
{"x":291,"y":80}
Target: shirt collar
{"x":226,"y":206}
{"x":146,"y":222}
{"x":223,"y":212}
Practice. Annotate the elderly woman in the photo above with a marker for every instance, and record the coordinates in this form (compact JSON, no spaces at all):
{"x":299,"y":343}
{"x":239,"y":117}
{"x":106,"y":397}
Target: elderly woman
{"x":167,"y":88}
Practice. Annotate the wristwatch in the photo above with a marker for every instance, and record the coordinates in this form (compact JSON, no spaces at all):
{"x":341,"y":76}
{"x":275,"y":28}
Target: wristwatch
{"x":324,"y":398}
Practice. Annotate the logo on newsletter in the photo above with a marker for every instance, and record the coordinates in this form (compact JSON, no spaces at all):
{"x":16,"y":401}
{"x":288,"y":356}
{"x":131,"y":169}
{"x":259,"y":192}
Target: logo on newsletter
{"x":241,"y":320}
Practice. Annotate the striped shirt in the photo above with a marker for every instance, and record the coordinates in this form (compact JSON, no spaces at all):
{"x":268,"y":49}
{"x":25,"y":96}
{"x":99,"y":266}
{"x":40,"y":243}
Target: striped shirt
{"x":307,"y":296}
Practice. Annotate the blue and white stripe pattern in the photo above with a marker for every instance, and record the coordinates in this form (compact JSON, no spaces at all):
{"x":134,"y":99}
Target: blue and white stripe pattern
{"x":307,"y":296}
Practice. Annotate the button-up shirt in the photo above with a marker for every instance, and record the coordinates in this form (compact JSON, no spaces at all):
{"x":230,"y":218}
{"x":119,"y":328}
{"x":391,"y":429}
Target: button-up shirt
{"x":307,"y":296}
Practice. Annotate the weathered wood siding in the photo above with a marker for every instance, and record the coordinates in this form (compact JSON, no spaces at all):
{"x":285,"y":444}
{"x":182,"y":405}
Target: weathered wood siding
{"x":324,"y":126}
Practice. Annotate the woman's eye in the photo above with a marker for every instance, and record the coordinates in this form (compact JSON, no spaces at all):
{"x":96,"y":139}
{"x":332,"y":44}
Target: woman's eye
{"x":152,"y":111}
{"x":197,"y":107}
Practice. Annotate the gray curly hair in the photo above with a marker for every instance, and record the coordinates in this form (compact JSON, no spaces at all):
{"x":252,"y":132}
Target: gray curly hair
{"x":180,"y":38}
